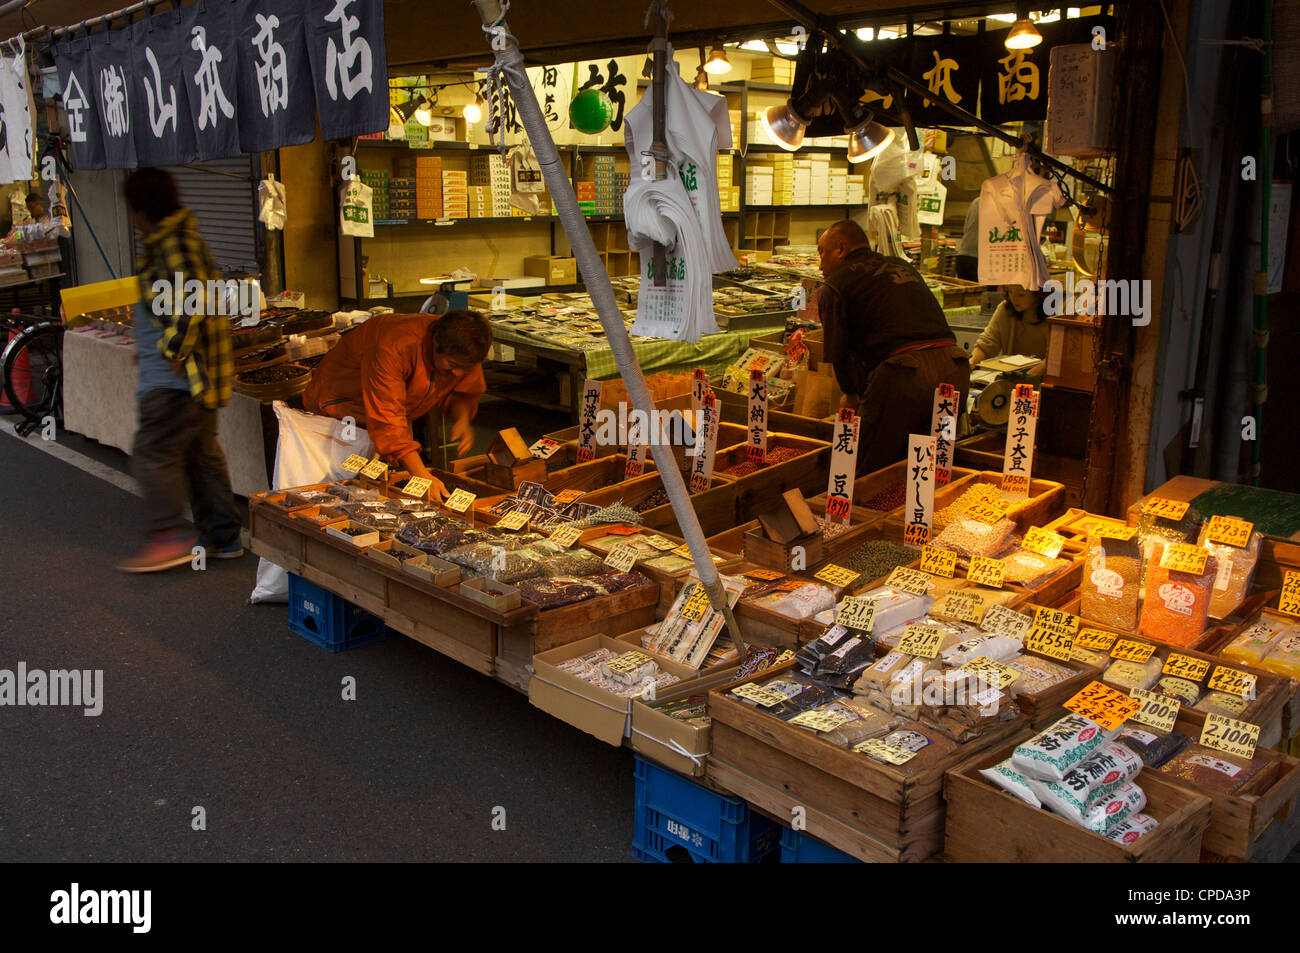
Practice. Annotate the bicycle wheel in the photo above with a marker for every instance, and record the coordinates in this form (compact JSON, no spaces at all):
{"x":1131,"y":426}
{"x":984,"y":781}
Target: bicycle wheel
{"x":32,"y":366}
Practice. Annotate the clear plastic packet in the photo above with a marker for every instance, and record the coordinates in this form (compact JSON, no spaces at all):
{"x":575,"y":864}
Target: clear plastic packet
{"x":971,"y":537}
{"x":1131,"y":675}
{"x":1175,"y":605}
{"x":1005,"y":776}
{"x":1052,"y":753}
{"x":550,"y":592}
{"x":1111,"y":587}
{"x":1153,"y":749}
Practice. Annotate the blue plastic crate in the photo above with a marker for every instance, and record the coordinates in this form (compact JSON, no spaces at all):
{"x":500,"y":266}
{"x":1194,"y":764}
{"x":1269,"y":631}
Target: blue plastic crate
{"x":330,"y":621}
{"x":798,"y":848}
{"x":679,"y":821}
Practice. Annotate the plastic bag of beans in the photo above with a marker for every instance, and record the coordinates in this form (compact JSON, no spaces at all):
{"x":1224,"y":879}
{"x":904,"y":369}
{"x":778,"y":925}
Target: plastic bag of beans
{"x":1175,"y":605}
{"x":1111,"y":584}
{"x":1236,"y":572}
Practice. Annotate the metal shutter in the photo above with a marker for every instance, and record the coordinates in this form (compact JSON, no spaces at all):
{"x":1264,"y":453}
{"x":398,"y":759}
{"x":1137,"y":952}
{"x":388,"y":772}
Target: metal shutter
{"x":222,"y":194}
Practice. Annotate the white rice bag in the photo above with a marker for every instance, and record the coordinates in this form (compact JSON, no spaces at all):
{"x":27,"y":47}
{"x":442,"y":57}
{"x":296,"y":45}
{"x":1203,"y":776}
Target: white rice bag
{"x":1125,"y":801}
{"x":1131,"y":828}
{"x":1052,"y":753}
{"x":1006,"y":777}
{"x":999,"y":648}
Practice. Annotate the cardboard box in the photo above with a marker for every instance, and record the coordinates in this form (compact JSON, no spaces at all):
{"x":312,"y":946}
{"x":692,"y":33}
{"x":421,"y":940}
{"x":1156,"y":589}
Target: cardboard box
{"x":675,"y":744}
{"x":1069,"y":354}
{"x":570,"y":699}
{"x":556,"y":270}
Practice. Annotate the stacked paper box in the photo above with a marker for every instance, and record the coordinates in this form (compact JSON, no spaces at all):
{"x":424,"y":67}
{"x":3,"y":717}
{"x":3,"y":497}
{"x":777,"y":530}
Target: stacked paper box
{"x":455,"y":194}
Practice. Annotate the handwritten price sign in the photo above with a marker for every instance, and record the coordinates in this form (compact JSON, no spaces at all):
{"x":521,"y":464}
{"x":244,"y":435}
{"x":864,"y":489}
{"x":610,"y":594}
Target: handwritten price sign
{"x":987,"y":511}
{"x":1229,"y":530}
{"x":1289,"y":601}
{"x":1165,"y":509}
{"x":622,"y":558}
{"x":1184,"y":557}
{"x":515,"y":519}
{"x":1230,"y":735}
{"x":962,"y":606}
{"x":922,"y":641}
{"x":1049,"y":642}
{"x":856,"y":613}
{"x":566,"y":536}
{"x":1232,"y":682}
{"x":564,"y":497}
{"x":1157,"y":711}
{"x":417,"y":487}
{"x":1098,"y":640}
{"x":985,"y":571}
{"x":1104,"y":705}
{"x":1043,"y":541}
{"x":354,"y":463}
{"x":908,"y":580}
{"x":375,"y":469}
{"x":460,"y":501}
{"x":938,"y":562}
{"x":1130,"y":651}
{"x":1115,"y":531}
{"x":1184,"y":666}
{"x":876,"y":748}
{"x":836,"y":575}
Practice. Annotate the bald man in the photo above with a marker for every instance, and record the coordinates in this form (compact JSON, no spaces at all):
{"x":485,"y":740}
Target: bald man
{"x":888,"y":340}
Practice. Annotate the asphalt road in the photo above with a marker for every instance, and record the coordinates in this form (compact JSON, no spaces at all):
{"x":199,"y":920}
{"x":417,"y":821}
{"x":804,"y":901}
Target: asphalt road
{"x":212,"y":702}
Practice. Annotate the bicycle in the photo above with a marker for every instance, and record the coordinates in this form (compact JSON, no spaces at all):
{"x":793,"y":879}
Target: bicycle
{"x":31,"y":368}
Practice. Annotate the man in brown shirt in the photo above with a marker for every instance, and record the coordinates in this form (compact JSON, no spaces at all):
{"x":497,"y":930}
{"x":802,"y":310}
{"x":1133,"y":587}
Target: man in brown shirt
{"x":888,"y":341}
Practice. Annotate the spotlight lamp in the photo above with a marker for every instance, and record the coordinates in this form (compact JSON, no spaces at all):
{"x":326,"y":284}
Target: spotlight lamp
{"x":1023,"y":35}
{"x":717,"y":64}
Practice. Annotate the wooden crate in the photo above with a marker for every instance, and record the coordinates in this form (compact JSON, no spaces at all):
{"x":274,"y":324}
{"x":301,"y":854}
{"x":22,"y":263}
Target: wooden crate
{"x":735,"y":454}
{"x":876,"y":812}
{"x":1212,"y":636}
{"x":1046,"y":499}
{"x":593,"y":475}
{"x":737,"y":414}
{"x":986,"y":825}
{"x":1239,"y":821}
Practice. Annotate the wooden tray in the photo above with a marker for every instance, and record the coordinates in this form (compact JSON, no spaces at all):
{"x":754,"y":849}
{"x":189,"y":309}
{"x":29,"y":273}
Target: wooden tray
{"x":874,"y":811}
{"x":986,"y":825}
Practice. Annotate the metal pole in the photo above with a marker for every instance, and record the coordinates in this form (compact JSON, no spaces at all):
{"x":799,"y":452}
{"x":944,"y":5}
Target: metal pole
{"x":858,"y":51}
{"x":511,"y":63}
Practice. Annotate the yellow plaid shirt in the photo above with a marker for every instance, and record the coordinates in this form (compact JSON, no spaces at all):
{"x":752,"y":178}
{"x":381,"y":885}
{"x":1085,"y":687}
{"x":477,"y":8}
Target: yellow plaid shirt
{"x":199,"y":341}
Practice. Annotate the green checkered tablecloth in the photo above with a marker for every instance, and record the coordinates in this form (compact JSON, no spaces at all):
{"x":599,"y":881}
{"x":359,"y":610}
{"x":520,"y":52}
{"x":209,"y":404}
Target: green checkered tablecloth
{"x":713,"y":352}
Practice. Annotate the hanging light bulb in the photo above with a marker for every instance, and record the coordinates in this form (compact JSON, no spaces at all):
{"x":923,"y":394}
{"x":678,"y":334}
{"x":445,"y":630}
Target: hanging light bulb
{"x":784,"y":126}
{"x":717,"y":63}
{"x":424,"y":113}
{"x":1023,"y":35}
{"x":473,"y":112}
{"x":867,"y":140}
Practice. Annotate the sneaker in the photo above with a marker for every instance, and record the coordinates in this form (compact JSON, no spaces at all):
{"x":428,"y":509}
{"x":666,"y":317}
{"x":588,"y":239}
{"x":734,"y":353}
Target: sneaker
{"x":163,"y":551}
{"x":230,"y":551}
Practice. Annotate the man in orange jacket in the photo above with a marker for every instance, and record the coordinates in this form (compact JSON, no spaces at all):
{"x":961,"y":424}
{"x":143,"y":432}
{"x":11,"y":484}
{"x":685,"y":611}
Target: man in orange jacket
{"x":396,"y":368}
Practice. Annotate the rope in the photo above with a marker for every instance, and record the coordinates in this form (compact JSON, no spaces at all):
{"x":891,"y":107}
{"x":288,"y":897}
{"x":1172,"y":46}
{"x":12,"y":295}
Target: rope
{"x":502,"y":41}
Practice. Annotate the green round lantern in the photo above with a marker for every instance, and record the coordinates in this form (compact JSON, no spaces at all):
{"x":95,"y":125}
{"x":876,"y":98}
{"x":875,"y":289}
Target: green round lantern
{"x":591,"y":111}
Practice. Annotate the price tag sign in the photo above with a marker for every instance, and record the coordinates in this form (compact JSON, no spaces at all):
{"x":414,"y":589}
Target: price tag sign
{"x":762,"y":696}
{"x":819,"y":720}
{"x":658,"y":542}
{"x":1104,"y":705}
{"x":460,"y":501}
{"x":1230,"y":735}
{"x":985,"y":571}
{"x":699,"y":482}
{"x":908,"y":580}
{"x":1157,"y":711}
{"x":1166,"y":509}
{"x":1130,"y":651}
{"x":790,"y":585}
{"x":834,"y":575}
{"x":995,"y":674}
{"x":1081,"y":655}
{"x":684,"y":550}
{"x":1184,"y":557}
{"x":1184,"y":666}
{"x":1229,"y":531}
{"x":916,"y":534}
{"x":769,"y":575}
{"x":375,"y":469}
{"x":890,"y":753}
{"x":515,"y":519}
{"x":696,"y":605}
{"x":938,"y":562}
{"x":1057,"y":620}
{"x":354,"y":463}
{"x":622,"y":529}
{"x":1043,"y":541}
{"x":1232,"y":682}
{"x":1098,"y":640}
{"x":986,"y":511}
{"x":856,"y":613}
{"x":999,"y":620}
{"x":564,"y":497}
{"x":622,"y":558}
{"x":1234,"y":704}
{"x":922,"y":641}
{"x":566,"y":536}
{"x":962,"y":606}
{"x":545,"y":448}
{"x":1022,"y":426}
{"x":1289,"y":601}
{"x":418,"y":487}
{"x":1115,"y":531}
{"x":1050,"y":643}
{"x":628,"y":662}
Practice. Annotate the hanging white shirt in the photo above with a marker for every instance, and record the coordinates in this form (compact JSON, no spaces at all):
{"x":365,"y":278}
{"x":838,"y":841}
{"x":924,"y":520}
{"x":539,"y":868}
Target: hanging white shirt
{"x":1013,"y":208}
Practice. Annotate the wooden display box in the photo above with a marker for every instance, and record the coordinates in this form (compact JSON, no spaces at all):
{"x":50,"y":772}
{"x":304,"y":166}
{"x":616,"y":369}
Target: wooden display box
{"x":633,"y":492}
{"x":770,"y":554}
{"x":1212,"y":636}
{"x":874,"y":811}
{"x":674,"y":744}
{"x":986,"y":825}
{"x":1045,"y":502}
{"x":593,"y":475}
{"x":735,"y":454}
{"x":505,"y":599}
{"x":597,"y":712}
{"x":781,"y":421}
{"x":1239,"y":821}
{"x":526,"y":471}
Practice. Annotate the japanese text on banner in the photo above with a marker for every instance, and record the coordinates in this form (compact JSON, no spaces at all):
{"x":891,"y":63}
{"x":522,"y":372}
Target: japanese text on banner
{"x":943,"y":424}
{"x":756,"y":449}
{"x":1017,"y":464}
{"x":844,"y":462}
{"x":918,"y":511}
{"x":587,"y":428}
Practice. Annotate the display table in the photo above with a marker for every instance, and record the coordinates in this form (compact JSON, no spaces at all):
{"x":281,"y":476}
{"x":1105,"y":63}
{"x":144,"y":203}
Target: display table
{"x":99,"y":401}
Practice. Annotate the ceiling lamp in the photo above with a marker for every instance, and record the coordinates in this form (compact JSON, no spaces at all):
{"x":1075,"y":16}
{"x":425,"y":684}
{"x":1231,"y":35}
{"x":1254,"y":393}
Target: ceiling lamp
{"x":414,"y":106}
{"x":1023,"y":35}
{"x":473,"y":112}
{"x":424,"y":113}
{"x":717,"y":63}
{"x":867,"y":140}
{"x":784,"y":126}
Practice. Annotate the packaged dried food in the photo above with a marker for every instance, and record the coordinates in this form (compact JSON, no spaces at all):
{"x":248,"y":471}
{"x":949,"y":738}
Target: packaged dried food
{"x":1255,"y":641}
{"x":867,"y":723}
{"x":1036,"y":675}
{"x":1184,"y":689}
{"x":1131,"y":675}
{"x":612,"y":581}
{"x":632,"y":675}
{"x":1284,"y":658}
{"x":1211,"y":770}
{"x":1054,"y":752}
{"x":801,"y":603}
{"x":1175,"y":604}
{"x":895,"y":608}
{"x":1221,"y":703}
{"x":1123,"y":802}
{"x":497,"y":562}
{"x":999,"y":648}
{"x":929,"y":747}
{"x":841,"y":667}
{"x":575,"y":562}
{"x":1153,"y":749}
{"x":1236,"y":572}
{"x":953,"y":632}
{"x":1006,"y":777}
{"x":670,"y":563}
{"x":813,"y":652}
{"x":550,"y":592}
{"x":313,"y":498}
{"x":1131,"y":828}
{"x":877,"y":675}
{"x":975,"y":493}
{"x":1030,"y":569}
{"x":1089,"y":657}
{"x":1111,"y":585}
{"x":970,"y":537}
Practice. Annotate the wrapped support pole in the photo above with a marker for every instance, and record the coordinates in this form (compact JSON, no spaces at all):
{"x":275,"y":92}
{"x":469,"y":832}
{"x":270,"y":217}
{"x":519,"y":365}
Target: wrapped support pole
{"x":510,"y":65}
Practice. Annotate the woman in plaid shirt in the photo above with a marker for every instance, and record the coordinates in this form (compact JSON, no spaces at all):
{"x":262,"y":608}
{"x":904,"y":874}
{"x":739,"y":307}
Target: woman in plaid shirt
{"x":186,"y":371}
